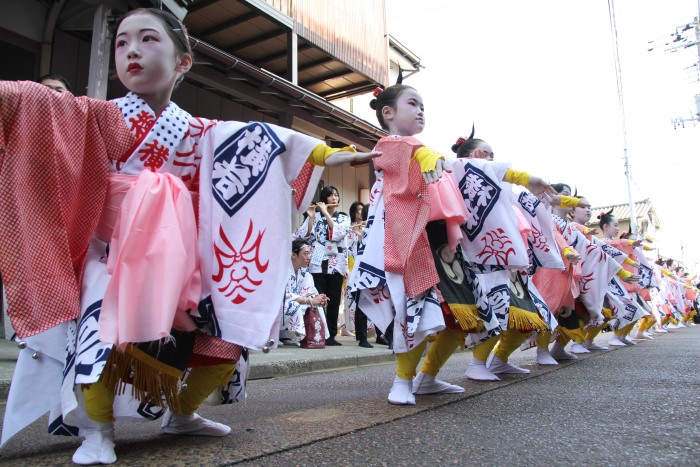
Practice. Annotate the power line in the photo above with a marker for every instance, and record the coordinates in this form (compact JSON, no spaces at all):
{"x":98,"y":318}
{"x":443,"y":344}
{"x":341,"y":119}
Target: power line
{"x":618,"y":75}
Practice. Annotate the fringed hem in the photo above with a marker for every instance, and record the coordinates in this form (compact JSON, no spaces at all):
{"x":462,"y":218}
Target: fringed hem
{"x":151,"y":381}
{"x":467,"y":316}
{"x":525,"y":321}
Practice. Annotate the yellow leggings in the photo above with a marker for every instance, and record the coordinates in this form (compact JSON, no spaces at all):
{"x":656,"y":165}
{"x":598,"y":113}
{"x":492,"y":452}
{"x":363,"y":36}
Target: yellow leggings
{"x":646,"y":323}
{"x":543,"y":339}
{"x":444,"y":346}
{"x":200,"y":383}
{"x":593,"y":332}
{"x":565,"y":335}
{"x":510,"y":340}
{"x":407,"y":362}
{"x":482,"y":351}
{"x":673,"y":319}
{"x":625,"y":330}
{"x":665,"y":320}
{"x":689,"y":315}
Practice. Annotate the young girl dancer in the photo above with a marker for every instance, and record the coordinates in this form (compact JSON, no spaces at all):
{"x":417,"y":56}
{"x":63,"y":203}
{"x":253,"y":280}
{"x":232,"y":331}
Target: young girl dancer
{"x":395,"y":272}
{"x":515,"y":300}
{"x":626,"y":308}
{"x":580,"y":217}
{"x":560,"y":290}
{"x":149,"y":152}
{"x":466,"y":304}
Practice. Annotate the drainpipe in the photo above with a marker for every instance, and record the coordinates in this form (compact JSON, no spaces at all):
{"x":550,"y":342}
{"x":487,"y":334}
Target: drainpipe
{"x":47,"y":42}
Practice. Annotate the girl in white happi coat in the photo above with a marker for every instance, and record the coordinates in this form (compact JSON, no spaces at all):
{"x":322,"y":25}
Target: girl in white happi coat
{"x":142,"y":282}
{"x":499,"y":245}
{"x":300,"y":295}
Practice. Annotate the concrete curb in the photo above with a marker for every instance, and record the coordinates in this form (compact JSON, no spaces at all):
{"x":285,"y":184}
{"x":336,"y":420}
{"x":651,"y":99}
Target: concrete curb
{"x":260,"y":370}
{"x":296,"y":367}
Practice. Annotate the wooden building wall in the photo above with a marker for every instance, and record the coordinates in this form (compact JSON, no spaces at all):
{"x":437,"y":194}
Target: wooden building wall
{"x":353,"y":31}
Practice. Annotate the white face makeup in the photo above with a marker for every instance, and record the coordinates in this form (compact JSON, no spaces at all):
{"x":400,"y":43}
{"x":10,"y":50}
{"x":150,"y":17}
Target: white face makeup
{"x":146,"y":59}
{"x":407,"y":118}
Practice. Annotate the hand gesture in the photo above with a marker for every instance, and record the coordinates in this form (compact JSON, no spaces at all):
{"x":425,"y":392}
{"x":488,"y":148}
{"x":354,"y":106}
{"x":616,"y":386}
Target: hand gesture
{"x":311,"y":211}
{"x":433,"y":176}
{"x":365,"y":156}
{"x":573,"y":258}
{"x":637,"y":243}
{"x":539,"y":186}
{"x":319,"y":300}
{"x":322,"y":207}
{"x":591,"y":232}
{"x":634,"y":278}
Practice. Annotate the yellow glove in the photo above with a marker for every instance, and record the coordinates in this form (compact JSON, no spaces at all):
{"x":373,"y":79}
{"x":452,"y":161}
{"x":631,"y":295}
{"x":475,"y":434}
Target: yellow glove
{"x":568,"y":201}
{"x":517,"y":177}
{"x":427,"y":158}
{"x":622,"y":274}
{"x":630,"y":262}
{"x":567,"y":251}
{"x":321,"y":152}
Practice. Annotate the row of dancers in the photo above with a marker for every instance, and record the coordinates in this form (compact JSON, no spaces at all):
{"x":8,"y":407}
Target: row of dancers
{"x":134,"y":299}
{"x":494,"y":259}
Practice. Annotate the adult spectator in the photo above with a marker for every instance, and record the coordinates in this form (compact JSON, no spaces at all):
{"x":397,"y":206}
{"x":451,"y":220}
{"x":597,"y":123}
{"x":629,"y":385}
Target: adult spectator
{"x":327,"y":228}
{"x":300,"y":295}
{"x":56,"y":82}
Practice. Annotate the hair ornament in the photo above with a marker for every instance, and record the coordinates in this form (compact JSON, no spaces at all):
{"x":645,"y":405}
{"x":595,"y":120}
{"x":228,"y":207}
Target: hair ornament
{"x":603,"y":213}
{"x":378,"y":91}
{"x":462,"y":140}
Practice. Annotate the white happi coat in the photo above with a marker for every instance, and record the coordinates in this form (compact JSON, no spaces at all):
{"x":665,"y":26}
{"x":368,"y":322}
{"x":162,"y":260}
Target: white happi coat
{"x":300,"y":284}
{"x":243,"y":250}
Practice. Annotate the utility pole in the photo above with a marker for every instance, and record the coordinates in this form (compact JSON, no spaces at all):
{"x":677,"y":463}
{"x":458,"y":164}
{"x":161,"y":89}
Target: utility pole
{"x":618,"y":76}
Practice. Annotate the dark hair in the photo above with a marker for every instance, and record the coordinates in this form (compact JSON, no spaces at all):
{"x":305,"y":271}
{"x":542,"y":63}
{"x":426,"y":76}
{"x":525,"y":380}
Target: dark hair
{"x":466,"y":148}
{"x":388,"y":97}
{"x":297,"y":245}
{"x":57,"y":78}
{"x":353,"y":210}
{"x":605,"y":218}
{"x":559,"y":187}
{"x":326,"y":191}
{"x":669,"y":262}
{"x":173,"y":26}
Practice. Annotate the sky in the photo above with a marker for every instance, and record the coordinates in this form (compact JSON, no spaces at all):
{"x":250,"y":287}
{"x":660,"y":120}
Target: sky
{"x":538,"y":80}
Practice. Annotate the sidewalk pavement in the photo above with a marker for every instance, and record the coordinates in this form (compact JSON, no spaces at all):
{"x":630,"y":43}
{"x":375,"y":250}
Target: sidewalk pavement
{"x":283,"y":361}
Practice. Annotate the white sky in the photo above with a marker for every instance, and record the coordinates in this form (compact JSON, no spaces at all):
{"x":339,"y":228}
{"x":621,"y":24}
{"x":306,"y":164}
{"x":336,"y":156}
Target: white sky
{"x":538,"y":79}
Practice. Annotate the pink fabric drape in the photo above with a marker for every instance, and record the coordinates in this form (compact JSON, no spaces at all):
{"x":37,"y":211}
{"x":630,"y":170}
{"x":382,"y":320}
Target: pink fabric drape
{"x":153,"y":260}
{"x":54,"y":162}
{"x":446,"y":203}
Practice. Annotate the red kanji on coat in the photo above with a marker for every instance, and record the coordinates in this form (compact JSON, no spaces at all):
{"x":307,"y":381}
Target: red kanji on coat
{"x":141,"y":124}
{"x":154,"y":155}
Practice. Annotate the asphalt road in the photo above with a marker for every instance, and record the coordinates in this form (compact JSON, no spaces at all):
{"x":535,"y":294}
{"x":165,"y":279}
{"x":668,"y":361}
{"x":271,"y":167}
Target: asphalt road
{"x":632,"y":406}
